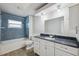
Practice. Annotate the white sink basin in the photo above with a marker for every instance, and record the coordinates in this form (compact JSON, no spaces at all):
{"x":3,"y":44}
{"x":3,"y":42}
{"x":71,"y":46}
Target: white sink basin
{"x":49,"y":38}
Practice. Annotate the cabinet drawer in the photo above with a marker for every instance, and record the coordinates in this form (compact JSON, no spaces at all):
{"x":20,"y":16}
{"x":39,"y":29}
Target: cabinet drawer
{"x":36,"y":40}
{"x":61,"y":53}
{"x":68,"y":49}
{"x":49,"y":43}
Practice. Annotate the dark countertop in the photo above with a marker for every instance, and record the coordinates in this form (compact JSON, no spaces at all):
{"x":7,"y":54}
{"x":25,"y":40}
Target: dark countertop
{"x":69,"y":41}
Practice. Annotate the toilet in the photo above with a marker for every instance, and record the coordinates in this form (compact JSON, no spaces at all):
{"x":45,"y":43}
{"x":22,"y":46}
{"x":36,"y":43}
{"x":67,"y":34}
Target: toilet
{"x":29,"y":47}
{"x":29,"y":44}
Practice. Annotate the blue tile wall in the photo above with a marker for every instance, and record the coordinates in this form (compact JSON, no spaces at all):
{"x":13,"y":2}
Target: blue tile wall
{"x":26,"y":27}
{"x":13,"y":33}
{"x":0,"y":27}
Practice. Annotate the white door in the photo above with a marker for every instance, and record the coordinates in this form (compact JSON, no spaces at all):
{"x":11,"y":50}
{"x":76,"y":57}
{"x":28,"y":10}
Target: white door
{"x":61,"y":53}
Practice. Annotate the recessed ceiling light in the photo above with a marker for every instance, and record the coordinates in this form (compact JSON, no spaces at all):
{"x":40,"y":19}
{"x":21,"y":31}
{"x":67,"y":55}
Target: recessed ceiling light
{"x":58,"y":6}
{"x":43,"y":13}
{"x":18,"y":7}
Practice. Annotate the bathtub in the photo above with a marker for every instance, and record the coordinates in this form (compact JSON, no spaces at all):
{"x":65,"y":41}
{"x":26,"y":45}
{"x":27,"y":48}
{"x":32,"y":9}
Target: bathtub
{"x":11,"y":45}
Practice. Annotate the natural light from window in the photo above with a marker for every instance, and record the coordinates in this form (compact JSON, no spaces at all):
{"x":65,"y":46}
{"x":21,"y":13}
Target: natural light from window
{"x":14,"y":24}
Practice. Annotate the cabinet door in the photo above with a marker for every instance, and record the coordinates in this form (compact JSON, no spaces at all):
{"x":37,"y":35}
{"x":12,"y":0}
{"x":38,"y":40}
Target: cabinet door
{"x":42,"y":50}
{"x":50,"y":51}
{"x":61,"y":53}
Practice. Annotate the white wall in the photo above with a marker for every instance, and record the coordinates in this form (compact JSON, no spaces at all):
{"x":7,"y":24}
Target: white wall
{"x":64,"y":12}
{"x":55,"y":14}
{"x":51,"y":13}
{"x":38,"y":25}
{"x":74,"y":19}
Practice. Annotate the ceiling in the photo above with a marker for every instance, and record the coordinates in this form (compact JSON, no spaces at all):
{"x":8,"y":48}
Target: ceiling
{"x":21,"y":9}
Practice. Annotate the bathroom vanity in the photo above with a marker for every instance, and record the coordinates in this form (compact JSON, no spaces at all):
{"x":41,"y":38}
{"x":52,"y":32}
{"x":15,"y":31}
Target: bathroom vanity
{"x":56,"y":45}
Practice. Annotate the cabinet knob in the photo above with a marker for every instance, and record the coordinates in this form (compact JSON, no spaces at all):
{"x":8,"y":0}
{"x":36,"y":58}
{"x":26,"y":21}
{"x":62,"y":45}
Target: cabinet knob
{"x":64,"y":48}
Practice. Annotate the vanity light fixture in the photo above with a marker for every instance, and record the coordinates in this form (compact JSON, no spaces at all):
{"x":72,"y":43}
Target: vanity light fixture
{"x":58,"y":8}
{"x":43,"y":13}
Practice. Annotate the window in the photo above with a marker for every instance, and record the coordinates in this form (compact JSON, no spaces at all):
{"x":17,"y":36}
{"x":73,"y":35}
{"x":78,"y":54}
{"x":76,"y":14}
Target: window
{"x":14,"y":24}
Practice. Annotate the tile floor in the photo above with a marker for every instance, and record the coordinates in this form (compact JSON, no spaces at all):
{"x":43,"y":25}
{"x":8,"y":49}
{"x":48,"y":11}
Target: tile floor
{"x":21,"y":52}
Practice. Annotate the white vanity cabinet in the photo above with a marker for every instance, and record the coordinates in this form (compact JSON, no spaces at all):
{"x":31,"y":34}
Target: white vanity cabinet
{"x":43,"y":47}
{"x":48,"y":48}
{"x":59,"y":52}
{"x":63,"y":50}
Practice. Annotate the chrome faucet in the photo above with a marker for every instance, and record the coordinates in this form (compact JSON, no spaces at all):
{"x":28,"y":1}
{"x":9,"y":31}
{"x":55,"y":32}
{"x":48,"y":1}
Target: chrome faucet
{"x":76,"y":29}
